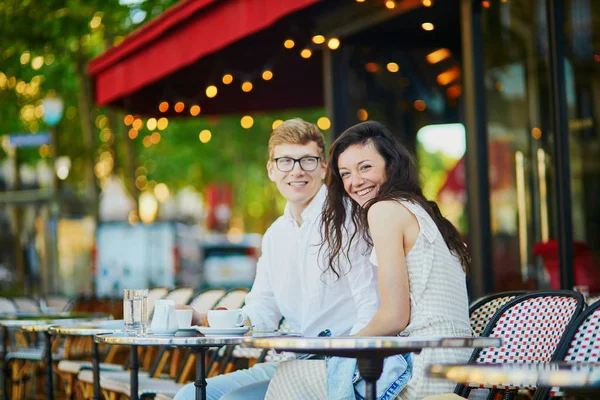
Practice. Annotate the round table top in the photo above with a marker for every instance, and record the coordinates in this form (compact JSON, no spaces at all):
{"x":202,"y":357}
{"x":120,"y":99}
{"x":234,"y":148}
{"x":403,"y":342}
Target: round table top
{"x":88,"y":329}
{"x":182,"y":339}
{"x":42,"y":323}
{"x":358,"y":345}
{"x":560,"y":374}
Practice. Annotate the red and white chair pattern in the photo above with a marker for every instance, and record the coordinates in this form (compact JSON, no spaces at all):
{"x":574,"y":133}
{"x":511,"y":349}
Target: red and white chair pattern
{"x":482,"y":310}
{"x":531,"y":327}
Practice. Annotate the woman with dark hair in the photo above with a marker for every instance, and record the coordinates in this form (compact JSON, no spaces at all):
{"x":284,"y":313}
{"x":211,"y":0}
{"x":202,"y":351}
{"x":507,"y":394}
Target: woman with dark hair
{"x":420,"y":257}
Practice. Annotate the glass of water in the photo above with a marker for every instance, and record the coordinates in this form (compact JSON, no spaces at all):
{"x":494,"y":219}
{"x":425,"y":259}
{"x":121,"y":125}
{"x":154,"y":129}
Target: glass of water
{"x":135,"y":311}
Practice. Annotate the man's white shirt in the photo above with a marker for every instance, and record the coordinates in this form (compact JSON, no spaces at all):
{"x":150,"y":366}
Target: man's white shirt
{"x":291,"y":280}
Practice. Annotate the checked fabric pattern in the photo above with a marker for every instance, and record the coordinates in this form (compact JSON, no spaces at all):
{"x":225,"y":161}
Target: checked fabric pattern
{"x":584,"y":347}
{"x":531,"y":331}
{"x":272,"y":355}
{"x":481,"y":316}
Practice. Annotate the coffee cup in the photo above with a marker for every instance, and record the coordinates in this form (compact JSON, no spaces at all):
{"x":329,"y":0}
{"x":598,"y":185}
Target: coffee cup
{"x":224,"y":319}
{"x":184,"y":318}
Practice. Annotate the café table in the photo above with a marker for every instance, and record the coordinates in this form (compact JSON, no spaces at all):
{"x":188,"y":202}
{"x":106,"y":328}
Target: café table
{"x":369,"y":351}
{"x":89,"y":330}
{"x":197,"y":342}
{"x":573,"y":379}
{"x":38,"y":322}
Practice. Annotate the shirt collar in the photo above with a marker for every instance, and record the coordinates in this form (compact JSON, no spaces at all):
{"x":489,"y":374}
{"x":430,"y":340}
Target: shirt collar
{"x":313,"y":210}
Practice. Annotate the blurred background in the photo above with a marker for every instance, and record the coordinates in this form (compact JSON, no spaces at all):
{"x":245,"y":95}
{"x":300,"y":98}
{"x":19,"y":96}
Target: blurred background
{"x":134,"y":132}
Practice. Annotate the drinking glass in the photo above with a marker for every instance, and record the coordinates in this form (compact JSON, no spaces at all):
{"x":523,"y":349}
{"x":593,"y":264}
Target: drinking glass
{"x":135,"y":311}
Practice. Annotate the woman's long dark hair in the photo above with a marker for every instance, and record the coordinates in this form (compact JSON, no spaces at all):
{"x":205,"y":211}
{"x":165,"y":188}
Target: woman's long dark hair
{"x":402,"y":183}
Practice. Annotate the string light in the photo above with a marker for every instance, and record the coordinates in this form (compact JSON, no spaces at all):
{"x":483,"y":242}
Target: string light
{"x":138,"y":124}
{"x":426,"y":3}
{"x":163,"y":107}
{"x":318,"y":39}
{"x":155,"y":138}
{"x":390,"y":4}
{"x":323,"y":123}
{"x":276,"y":123}
{"x":162,"y":124}
{"x":247,"y":86}
{"x":247,"y":122}
{"x":393,"y":67}
{"x":128,"y":120}
{"x":362,"y":114}
{"x":427,"y":26}
{"x":205,"y":136}
{"x":267,"y":75}
{"x":420,"y":105}
{"x":227,"y":79}
{"x":289,"y":44}
{"x":334,"y":43}
{"x":306,"y":53}
{"x":211,"y":91}
{"x":438,"y":55}
{"x":195,"y":110}
{"x":151,"y":124}
{"x":179,"y":106}
{"x":133,"y":133}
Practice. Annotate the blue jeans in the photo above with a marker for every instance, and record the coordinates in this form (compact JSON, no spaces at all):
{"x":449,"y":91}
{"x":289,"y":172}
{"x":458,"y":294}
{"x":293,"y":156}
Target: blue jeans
{"x":251,"y":383}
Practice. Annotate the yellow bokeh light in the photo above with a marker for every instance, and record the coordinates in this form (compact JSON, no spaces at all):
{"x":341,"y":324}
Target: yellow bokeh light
{"x":267,"y":75}
{"x":138,"y":124}
{"x":426,"y":3}
{"x":162,"y":123}
{"x":333,"y":43}
{"x":438,"y":55}
{"x":247,"y":122}
{"x":247,"y":86}
{"x":362,"y":114}
{"x":44,"y":150}
{"x":179,"y":106}
{"x":318,"y":39}
{"x":211,"y":91}
{"x":390,"y":4}
{"x":427,"y":26}
{"x":227,"y":79}
{"x":128,"y":120}
{"x":306,"y":53}
{"x":95,"y":22}
{"x":37,"y":62}
{"x":195,"y":110}
{"x":393,"y":67}
{"x":133,"y":133}
{"x":323,"y":123}
{"x":151,"y":124}
{"x":147,"y":141}
{"x":163,"y":107}
{"x":205,"y":136}
{"x":161,"y":191}
{"x":276,"y":123}
{"x":289,"y":44}
{"x":25,"y":57}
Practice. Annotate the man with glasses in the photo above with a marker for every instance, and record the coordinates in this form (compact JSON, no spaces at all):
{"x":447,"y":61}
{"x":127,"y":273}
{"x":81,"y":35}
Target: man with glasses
{"x":291,"y":281}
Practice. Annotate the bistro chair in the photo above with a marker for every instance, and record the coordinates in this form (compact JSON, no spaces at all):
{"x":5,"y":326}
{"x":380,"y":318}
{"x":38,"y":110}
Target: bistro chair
{"x":180,"y":295}
{"x":7,"y":305}
{"x":484,"y":308}
{"x":531,"y":327}
{"x":27,"y":305}
{"x":579,"y":345}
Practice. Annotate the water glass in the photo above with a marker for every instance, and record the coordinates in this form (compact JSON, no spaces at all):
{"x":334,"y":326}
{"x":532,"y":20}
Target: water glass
{"x":135,"y":311}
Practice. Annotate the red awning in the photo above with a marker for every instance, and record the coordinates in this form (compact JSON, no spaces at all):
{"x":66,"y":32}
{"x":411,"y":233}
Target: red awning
{"x":178,"y":40}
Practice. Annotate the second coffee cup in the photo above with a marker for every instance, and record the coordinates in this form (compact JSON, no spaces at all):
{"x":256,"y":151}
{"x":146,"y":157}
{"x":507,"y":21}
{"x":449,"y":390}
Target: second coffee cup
{"x":224,"y":319}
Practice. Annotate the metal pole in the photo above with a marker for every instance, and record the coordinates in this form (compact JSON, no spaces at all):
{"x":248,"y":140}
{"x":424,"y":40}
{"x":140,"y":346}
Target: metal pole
{"x":481,"y":277}
{"x":5,"y":370}
{"x":560,"y":144}
{"x":133,"y":377}
{"x":96,"y":370}
{"x":200,"y":383}
{"x":49,"y":372}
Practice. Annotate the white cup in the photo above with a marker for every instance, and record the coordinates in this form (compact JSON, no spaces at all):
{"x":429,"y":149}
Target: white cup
{"x":184,"y":318}
{"x":224,"y":319}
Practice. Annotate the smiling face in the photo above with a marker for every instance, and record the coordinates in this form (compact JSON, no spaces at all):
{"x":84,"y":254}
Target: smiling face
{"x":362,"y":170}
{"x":297,"y":186}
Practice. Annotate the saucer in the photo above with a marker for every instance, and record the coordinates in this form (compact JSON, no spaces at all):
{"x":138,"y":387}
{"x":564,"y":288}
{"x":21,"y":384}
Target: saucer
{"x":188,"y":329}
{"x":209,"y":331}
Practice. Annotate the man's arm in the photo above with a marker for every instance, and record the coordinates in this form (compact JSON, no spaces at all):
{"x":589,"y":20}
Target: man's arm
{"x":362,"y":281}
{"x":261,"y":306}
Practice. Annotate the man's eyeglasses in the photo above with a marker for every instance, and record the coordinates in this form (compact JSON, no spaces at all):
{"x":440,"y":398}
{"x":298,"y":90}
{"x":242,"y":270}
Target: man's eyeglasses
{"x":286,"y":164}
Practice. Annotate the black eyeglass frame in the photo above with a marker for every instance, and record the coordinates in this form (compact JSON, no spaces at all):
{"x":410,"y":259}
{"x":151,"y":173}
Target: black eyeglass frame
{"x":299,"y":161}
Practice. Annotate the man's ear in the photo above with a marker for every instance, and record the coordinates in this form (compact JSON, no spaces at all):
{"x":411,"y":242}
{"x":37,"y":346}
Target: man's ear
{"x":323,"y":170}
{"x":271,"y":170}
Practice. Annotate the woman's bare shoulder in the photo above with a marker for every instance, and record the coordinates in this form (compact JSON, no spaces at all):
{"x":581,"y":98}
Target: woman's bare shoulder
{"x":389,"y":212}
